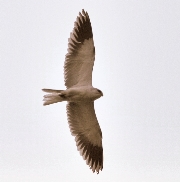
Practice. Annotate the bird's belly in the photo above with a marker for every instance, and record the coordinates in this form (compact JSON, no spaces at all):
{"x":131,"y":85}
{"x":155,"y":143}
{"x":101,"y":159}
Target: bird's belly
{"x":83,"y":94}
{"x":80,"y":98}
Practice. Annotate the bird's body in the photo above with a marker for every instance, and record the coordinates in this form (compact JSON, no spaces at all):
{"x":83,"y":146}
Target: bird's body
{"x":75,"y":94}
{"x":80,"y":94}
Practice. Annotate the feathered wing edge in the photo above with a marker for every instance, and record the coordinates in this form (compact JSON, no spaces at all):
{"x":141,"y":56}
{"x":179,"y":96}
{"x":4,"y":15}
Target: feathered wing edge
{"x":88,"y":135}
{"x":80,"y":49}
{"x":93,"y":154}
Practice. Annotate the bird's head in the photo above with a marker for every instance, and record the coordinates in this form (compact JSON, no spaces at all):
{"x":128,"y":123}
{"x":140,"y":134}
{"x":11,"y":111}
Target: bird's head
{"x":98,"y":93}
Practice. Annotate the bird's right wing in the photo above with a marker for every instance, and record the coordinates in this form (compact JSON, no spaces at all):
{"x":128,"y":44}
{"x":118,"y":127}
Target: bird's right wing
{"x":85,"y":127}
{"x":79,"y":61}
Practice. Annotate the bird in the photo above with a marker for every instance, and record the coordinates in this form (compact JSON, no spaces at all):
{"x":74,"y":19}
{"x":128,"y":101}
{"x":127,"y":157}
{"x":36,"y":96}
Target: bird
{"x":80,"y":94}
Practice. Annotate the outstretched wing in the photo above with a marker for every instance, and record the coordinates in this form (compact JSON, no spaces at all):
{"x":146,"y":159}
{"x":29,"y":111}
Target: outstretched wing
{"x":81,"y":53}
{"x":88,"y":136}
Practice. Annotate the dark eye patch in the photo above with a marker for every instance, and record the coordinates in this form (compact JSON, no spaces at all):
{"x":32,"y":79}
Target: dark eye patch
{"x":99,"y":91}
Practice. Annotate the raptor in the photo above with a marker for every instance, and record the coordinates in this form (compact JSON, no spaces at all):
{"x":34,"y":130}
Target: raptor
{"x":80,"y":94}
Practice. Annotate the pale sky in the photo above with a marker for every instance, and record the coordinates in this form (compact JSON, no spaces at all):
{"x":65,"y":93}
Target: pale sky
{"x":137,"y":67}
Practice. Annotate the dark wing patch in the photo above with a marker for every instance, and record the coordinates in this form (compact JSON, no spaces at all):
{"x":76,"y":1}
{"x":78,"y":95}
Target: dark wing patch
{"x":93,"y":154}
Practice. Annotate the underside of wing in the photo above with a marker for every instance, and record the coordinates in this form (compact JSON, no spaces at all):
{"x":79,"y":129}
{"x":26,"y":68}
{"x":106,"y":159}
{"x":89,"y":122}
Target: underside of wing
{"x":81,"y":53}
{"x":88,"y":136}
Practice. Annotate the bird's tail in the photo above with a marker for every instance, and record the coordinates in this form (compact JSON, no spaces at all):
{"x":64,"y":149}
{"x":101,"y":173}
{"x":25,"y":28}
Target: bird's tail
{"x":54,"y":96}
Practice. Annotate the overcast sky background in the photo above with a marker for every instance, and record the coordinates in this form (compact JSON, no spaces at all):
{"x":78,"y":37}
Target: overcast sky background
{"x":137,"y":67}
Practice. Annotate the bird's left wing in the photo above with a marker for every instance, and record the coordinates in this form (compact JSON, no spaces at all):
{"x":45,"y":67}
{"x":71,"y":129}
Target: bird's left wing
{"x":79,"y":61}
{"x":85,"y":127}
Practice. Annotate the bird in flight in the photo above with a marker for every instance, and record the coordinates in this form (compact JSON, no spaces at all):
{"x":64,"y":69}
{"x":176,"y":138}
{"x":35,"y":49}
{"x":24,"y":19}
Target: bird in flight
{"x":80,"y":94}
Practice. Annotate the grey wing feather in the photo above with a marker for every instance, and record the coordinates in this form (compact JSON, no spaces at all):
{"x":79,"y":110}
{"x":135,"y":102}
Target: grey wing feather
{"x":88,"y":136}
{"x":81,"y":53}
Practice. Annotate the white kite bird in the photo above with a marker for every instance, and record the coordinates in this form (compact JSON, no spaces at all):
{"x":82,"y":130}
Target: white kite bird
{"x":80,"y":94}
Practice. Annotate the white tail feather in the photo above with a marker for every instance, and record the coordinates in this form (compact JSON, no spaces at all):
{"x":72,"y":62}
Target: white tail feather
{"x":53,"y":97}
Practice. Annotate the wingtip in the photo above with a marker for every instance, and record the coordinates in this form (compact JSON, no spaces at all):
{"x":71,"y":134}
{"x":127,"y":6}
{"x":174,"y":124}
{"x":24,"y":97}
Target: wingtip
{"x":83,"y":12}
